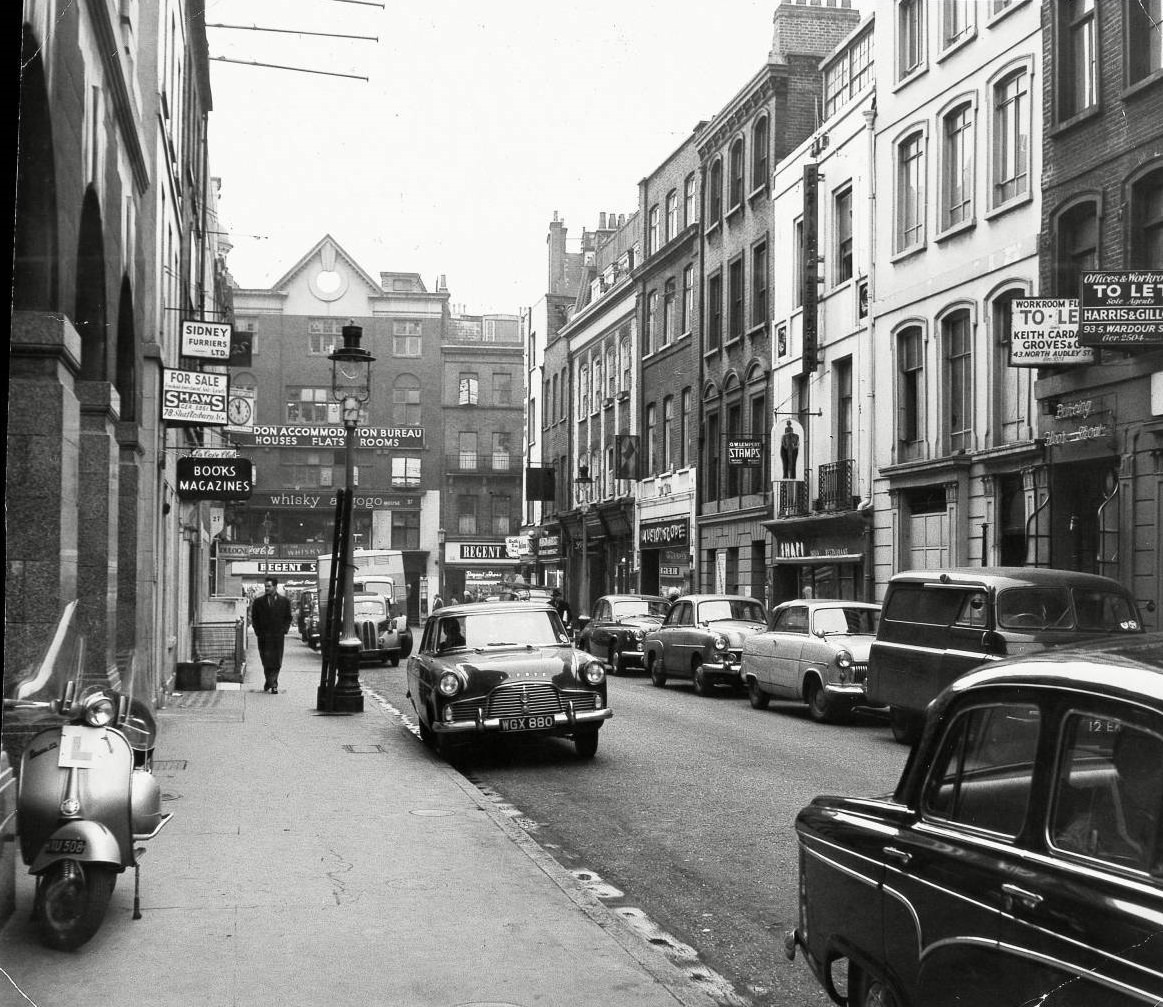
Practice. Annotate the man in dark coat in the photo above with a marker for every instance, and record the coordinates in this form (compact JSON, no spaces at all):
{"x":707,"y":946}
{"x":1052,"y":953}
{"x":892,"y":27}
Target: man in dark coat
{"x":270,"y":615}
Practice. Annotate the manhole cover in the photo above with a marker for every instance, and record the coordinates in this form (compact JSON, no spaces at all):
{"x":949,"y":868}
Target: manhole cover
{"x":166,"y":764}
{"x":365,"y":749}
{"x":171,"y":797}
{"x":432,"y":813}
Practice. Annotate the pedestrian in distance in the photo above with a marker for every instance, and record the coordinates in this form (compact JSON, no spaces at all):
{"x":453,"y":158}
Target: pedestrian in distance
{"x":557,"y":600}
{"x":437,"y":602}
{"x":270,"y":615}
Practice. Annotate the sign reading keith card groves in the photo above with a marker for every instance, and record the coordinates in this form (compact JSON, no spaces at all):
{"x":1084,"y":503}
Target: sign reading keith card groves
{"x":331,"y":437}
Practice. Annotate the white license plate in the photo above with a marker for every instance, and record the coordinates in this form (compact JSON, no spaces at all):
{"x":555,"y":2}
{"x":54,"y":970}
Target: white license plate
{"x":526,"y":723}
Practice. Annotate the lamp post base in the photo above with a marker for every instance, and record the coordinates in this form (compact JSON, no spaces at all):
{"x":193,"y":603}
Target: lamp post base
{"x":347,"y":697}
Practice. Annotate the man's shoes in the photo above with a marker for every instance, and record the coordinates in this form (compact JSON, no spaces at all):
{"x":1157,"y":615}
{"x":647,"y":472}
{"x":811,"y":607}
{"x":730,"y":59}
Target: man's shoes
{"x":274,"y":691}
{"x":266,"y":688}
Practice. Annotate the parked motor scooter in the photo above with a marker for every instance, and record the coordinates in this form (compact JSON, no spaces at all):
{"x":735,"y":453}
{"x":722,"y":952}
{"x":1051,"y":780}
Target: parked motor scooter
{"x":86,"y":793}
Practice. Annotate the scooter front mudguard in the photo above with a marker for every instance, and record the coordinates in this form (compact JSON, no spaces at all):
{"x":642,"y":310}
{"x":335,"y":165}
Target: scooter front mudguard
{"x":84,"y":841}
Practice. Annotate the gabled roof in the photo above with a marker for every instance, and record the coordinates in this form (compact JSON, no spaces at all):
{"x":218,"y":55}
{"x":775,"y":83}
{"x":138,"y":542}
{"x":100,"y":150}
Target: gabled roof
{"x":329,"y":243}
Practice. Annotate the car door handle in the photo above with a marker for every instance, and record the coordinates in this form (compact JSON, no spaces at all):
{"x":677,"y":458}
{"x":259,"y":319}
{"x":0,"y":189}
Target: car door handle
{"x":902,"y":857}
{"x":1012,"y":894}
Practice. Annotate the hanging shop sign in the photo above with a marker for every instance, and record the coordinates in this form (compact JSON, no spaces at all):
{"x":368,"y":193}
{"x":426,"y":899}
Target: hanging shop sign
{"x":517,"y":546}
{"x":1044,"y":331}
{"x":1122,"y":309}
{"x":746,"y":452}
{"x":206,"y":340}
{"x":669,"y":533}
{"x":786,"y":457}
{"x":331,"y":437}
{"x":1080,"y":428}
{"x":549,"y":545}
{"x":215,"y":478}
{"x":194,"y":398}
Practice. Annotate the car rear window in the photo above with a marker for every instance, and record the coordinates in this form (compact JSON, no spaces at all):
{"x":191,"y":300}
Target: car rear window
{"x":931,"y":604}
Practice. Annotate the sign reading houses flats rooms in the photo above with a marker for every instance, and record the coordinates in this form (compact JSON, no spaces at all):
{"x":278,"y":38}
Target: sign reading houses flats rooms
{"x":215,"y":478}
{"x":194,"y":398}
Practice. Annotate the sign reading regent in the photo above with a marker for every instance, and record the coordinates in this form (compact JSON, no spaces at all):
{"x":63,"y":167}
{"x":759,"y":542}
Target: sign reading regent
{"x":331,"y":437}
{"x":194,"y":398}
{"x":206,"y":340}
{"x":215,"y":478}
{"x":1124,"y":308}
{"x":1044,"y":331}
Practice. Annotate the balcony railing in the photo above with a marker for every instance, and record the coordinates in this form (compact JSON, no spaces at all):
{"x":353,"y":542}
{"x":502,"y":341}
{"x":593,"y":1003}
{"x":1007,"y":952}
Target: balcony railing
{"x":793,"y":499}
{"x":472,"y":461}
{"x":836,"y":481}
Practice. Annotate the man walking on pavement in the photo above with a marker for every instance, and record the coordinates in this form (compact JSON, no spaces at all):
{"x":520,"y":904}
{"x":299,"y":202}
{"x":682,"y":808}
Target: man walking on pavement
{"x":270,"y":615}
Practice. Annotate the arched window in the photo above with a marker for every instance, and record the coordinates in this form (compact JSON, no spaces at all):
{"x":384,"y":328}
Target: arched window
{"x":715,"y":192}
{"x":736,"y":194}
{"x":1076,"y":237}
{"x":957,"y":348}
{"x":910,"y":397}
{"x":759,"y":156}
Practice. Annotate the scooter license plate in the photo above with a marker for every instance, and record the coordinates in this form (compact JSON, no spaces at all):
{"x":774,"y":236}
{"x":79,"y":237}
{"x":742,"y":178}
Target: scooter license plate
{"x":81,"y":747}
{"x":76,"y":846}
{"x":526,"y":723}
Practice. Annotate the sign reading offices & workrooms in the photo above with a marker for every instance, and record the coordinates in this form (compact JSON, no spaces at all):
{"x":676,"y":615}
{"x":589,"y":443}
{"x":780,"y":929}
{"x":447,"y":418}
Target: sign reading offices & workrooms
{"x":194,"y":398}
{"x":1122,"y":309}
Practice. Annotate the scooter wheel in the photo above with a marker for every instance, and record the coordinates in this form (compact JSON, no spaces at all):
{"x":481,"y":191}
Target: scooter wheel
{"x":72,"y":901}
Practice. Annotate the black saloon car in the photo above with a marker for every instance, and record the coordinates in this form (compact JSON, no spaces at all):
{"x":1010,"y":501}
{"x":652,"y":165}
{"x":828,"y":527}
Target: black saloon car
{"x":618,"y":626}
{"x":504,"y":669}
{"x":1020,"y":859}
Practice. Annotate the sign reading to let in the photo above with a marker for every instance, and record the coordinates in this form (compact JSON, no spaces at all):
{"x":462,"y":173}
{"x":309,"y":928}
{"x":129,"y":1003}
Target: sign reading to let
{"x":194,"y":398}
{"x":1120,"y":309}
{"x":1044,"y":331}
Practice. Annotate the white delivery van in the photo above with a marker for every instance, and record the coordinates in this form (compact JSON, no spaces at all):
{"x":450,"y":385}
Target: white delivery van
{"x":377,"y":571}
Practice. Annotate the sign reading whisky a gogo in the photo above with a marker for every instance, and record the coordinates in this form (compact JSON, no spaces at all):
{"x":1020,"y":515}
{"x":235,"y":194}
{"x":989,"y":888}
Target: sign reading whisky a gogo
{"x":324,"y":499}
{"x":664,"y":534}
{"x":331,"y":437}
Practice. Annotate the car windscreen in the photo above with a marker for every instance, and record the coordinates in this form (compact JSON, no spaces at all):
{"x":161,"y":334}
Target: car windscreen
{"x":731,"y":608}
{"x":847,"y":620}
{"x":1086,"y":610}
{"x":518,"y":629}
{"x":638,"y":607}
{"x":371,"y":607}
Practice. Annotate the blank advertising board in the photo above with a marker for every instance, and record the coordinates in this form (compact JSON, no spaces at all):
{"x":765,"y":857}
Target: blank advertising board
{"x":1122,"y":309}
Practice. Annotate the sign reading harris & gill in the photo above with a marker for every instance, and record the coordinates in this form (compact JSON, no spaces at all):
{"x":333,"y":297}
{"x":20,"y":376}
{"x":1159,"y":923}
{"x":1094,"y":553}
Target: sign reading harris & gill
{"x":664,"y":534}
{"x":194,"y":398}
{"x":331,"y":437}
{"x":1122,"y":308}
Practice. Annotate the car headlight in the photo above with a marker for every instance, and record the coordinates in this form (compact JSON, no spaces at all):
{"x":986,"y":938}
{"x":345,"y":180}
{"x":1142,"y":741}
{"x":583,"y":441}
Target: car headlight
{"x":720,"y":642}
{"x":449,"y":684}
{"x":99,"y":711}
{"x":592,"y":672}
{"x":844,"y":659}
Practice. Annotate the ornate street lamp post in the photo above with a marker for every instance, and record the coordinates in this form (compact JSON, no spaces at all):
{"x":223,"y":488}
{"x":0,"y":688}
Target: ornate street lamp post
{"x":351,"y":378}
{"x":582,"y":484}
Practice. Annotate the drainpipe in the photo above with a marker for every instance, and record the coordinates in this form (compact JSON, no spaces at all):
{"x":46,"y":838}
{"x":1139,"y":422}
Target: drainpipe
{"x":868,"y":501}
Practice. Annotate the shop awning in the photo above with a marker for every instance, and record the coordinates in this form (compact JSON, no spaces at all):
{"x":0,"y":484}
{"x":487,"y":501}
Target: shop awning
{"x":844,"y":557}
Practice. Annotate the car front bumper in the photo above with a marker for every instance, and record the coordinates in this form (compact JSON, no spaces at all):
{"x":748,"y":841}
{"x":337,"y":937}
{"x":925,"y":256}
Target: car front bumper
{"x":853,"y":691}
{"x":562,"y":722}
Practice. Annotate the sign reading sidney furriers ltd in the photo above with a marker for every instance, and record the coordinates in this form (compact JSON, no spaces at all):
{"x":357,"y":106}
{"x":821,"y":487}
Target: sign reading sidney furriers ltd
{"x":207,"y":340}
{"x":331,"y":437}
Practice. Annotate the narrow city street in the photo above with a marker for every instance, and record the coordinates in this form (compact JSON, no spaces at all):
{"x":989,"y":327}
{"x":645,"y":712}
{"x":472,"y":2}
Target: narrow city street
{"x":688,"y":812}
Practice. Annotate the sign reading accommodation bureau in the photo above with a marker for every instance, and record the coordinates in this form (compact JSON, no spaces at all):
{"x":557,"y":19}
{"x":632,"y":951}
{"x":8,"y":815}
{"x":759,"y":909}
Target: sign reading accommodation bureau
{"x":331,"y":437}
{"x":215,"y":478}
{"x":207,"y":340}
{"x":1122,"y":309}
{"x":194,"y":398}
{"x":1044,"y":331}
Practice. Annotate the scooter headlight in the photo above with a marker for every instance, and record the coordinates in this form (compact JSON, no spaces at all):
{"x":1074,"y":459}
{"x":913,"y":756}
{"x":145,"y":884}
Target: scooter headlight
{"x":99,"y":711}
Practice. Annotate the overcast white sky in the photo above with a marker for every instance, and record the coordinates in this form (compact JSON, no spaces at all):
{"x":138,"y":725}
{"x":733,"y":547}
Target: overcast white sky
{"x":478,"y":121}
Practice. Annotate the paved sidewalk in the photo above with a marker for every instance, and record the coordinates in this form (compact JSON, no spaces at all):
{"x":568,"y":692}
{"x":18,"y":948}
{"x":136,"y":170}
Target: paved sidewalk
{"x":334,"y":860}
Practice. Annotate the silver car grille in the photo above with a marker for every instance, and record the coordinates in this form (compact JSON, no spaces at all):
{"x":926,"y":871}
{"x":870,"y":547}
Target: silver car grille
{"x":519,"y":699}
{"x":368,"y":637}
{"x":860,"y":672}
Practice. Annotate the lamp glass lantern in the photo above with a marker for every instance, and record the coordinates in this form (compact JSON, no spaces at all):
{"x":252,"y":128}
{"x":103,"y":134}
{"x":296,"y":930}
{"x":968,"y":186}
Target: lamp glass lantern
{"x":351,"y":374}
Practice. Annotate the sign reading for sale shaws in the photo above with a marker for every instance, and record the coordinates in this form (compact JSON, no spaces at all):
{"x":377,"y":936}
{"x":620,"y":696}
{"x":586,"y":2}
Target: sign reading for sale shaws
{"x":194,"y":398}
{"x":1120,"y":309}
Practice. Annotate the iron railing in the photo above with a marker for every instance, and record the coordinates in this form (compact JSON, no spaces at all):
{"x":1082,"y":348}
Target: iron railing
{"x":836,"y":480}
{"x":483,"y":461}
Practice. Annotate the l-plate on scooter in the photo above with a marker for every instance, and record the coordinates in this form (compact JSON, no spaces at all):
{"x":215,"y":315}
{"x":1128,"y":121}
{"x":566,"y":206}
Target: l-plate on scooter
{"x":86,"y":795}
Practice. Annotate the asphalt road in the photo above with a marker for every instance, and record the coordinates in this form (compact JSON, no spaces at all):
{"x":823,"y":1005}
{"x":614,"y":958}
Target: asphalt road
{"x":688,"y":810}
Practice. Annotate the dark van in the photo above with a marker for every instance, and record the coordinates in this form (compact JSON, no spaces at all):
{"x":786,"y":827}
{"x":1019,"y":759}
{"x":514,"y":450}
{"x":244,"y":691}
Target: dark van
{"x":937,"y":624}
